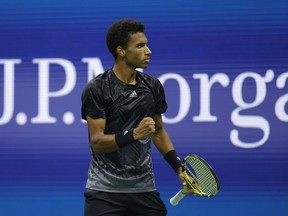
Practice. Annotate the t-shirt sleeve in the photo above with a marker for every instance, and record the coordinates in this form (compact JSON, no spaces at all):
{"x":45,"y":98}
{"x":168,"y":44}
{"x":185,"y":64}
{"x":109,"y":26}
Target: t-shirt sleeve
{"x":92,"y":102}
{"x":161,"y":105}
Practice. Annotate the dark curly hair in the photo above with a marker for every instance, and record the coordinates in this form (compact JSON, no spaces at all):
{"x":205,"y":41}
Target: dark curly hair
{"x":119,"y":34}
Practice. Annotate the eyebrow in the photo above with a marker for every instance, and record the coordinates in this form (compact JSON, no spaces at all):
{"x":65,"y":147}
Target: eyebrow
{"x":141,"y":43}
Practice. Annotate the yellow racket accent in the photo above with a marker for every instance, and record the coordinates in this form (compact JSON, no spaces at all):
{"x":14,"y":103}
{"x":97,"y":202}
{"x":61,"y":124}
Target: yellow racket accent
{"x":200,"y":177}
{"x":191,"y":186}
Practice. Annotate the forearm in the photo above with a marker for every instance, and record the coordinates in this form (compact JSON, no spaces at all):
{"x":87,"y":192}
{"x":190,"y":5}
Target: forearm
{"x":162,"y":141}
{"x":111,"y":142}
{"x":103,"y":143}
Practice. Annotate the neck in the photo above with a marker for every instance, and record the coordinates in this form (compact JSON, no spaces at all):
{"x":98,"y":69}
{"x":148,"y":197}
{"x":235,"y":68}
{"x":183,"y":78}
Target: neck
{"x":125,"y":74}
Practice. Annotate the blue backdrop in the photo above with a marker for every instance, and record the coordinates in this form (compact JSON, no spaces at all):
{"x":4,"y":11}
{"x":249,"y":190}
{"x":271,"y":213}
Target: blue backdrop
{"x":224,"y":68}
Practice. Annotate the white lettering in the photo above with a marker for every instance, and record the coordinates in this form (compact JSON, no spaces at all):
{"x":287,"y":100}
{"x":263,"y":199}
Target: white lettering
{"x":95,"y":67}
{"x":44,"y":94}
{"x":184,"y":95}
{"x":205,"y":90}
{"x":9,"y":89}
{"x":282,"y":101}
{"x":241,"y":116}
{"x":249,"y":121}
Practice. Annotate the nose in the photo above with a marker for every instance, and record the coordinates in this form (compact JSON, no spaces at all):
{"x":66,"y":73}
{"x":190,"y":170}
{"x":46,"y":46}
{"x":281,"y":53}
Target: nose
{"x":148,"y":51}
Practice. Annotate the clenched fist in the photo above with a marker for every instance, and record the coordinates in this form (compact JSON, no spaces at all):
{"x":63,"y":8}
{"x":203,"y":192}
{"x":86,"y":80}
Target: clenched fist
{"x":145,"y":128}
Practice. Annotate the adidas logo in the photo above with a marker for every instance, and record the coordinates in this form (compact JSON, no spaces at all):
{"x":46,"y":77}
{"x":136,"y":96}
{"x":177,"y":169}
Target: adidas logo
{"x":133,"y":94}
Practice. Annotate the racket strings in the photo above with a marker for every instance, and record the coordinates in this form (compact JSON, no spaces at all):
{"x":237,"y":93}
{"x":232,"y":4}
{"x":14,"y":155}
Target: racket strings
{"x":202,"y":175}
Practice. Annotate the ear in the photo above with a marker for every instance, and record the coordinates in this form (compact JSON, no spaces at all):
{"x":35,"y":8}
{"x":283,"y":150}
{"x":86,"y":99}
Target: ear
{"x":120,"y":51}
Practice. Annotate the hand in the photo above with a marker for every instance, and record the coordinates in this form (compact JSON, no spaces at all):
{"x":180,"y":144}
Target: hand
{"x":187,"y":189}
{"x":145,"y":128}
{"x":180,"y":176}
{"x":191,"y":191}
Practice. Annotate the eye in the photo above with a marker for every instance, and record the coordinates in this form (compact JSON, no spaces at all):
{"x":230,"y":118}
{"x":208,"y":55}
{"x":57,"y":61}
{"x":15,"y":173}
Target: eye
{"x":140,"y":45}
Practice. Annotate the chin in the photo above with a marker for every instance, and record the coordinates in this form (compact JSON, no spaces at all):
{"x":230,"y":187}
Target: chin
{"x":140,"y":68}
{"x":145,"y":66}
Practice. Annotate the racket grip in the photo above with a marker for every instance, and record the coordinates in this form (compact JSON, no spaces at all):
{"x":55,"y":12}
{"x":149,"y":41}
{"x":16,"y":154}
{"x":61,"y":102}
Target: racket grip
{"x":176,"y":199}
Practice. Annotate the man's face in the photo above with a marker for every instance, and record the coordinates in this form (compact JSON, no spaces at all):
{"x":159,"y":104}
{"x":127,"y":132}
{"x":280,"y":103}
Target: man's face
{"x":137,"y":53}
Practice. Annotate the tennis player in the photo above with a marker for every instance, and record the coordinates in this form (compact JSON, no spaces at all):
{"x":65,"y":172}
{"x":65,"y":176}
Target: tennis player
{"x":123,"y":110}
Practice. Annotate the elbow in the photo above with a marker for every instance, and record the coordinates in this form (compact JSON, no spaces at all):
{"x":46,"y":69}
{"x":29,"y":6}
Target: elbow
{"x":99,"y":145}
{"x":158,"y":132}
{"x":96,"y":145}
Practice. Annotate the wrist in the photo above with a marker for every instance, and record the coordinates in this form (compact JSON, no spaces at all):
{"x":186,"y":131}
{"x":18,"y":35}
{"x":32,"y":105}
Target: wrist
{"x":174,"y":161}
{"x":135,"y":134}
{"x":125,"y":138}
{"x":179,"y":170}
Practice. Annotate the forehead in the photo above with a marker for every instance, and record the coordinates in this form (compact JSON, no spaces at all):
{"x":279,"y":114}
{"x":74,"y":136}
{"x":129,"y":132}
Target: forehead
{"x":136,"y":38}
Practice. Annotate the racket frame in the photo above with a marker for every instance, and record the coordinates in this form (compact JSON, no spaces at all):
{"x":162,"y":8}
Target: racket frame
{"x":184,"y":191}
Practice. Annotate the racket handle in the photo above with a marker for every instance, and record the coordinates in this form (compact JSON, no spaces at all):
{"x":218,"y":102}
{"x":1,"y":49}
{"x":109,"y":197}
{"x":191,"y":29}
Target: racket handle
{"x":176,"y":199}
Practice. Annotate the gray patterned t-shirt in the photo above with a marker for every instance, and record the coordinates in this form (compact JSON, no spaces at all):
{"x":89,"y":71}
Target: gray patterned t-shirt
{"x":128,"y":169}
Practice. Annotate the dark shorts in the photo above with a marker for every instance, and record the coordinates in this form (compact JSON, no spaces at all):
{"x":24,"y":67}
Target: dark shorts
{"x":123,"y":204}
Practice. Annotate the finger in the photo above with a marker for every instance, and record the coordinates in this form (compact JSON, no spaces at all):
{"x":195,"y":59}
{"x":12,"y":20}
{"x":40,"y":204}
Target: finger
{"x":148,"y":118}
{"x":150,"y":126}
{"x":182,"y":179}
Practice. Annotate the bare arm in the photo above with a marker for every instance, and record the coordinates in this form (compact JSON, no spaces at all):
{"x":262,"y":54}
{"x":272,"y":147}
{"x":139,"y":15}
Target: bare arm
{"x":101,"y":142}
{"x":160,"y":137}
{"x":163,"y":142}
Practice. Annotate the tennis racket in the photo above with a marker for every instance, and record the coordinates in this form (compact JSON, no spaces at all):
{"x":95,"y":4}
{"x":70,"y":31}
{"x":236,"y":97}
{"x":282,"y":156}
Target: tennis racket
{"x":200,"y":178}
